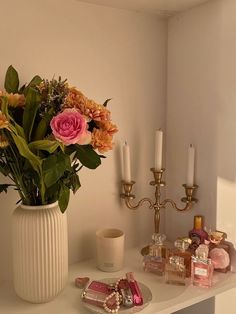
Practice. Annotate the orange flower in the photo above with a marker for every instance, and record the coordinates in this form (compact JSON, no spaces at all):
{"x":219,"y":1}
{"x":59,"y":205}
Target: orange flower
{"x":3,"y":141}
{"x":101,"y":140}
{"x":75,"y":99}
{"x":97,"y":112}
{"x":87,"y":107}
{"x":4,"y":123}
{"x":16,"y":100}
{"x":108,"y":126}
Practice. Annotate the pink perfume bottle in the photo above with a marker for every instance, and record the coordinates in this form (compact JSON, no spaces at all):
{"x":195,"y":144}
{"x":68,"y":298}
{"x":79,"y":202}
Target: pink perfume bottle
{"x":202,"y":267}
{"x":155,"y":261}
{"x":181,"y":250}
{"x":101,"y":294}
{"x":220,"y":251}
{"x":197,"y":235}
{"x":175,"y":271}
{"x":135,"y":290}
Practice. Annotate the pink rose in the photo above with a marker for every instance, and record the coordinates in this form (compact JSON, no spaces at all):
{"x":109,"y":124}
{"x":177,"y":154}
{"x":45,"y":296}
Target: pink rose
{"x":70,"y":127}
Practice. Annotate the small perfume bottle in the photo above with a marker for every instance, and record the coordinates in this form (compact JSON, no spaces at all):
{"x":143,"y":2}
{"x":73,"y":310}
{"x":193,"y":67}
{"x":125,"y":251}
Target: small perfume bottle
{"x":155,"y":261}
{"x":197,"y":235}
{"x":124,"y":289}
{"x":181,"y":247}
{"x":219,"y":251}
{"x":175,"y":271}
{"x":101,"y":294}
{"x":135,"y":290}
{"x":202,"y":267}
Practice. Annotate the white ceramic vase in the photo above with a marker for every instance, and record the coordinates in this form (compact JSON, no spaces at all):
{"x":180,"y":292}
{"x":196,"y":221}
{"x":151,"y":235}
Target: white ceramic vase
{"x":40,"y":252}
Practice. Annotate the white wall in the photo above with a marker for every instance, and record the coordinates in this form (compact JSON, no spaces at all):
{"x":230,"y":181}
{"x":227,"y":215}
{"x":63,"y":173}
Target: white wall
{"x":107,"y":53}
{"x":201,"y":109}
{"x":226,"y":183}
{"x":192,"y":110}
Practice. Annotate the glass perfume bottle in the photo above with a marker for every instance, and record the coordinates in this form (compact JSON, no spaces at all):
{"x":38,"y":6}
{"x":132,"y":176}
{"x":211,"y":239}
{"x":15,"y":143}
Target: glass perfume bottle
{"x":101,"y":294}
{"x":220,"y":251}
{"x":135,"y":290}
{"x":155,"y":261}
{"x":181,"y":249}
{"x":197,"y":235}
{"x":202,"y":267}
{"x":175,"y":271}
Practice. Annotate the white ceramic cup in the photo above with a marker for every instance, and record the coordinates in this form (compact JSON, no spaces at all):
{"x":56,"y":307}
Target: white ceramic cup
{"x":110,"y":249}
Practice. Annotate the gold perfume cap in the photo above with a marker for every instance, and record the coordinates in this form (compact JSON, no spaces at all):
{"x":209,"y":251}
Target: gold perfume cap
{"x":198,"y":222}
{"x":182,"y":244}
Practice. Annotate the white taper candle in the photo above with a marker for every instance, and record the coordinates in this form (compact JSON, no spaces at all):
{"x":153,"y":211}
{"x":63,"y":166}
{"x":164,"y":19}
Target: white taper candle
{"x":190,"y":166}
{"x":126,"y":163}
{"x":158,"y":149}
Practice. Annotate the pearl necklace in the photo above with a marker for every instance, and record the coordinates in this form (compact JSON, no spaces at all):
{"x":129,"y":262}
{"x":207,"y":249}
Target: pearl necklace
{"x":118,"y":300}
{"x":117,"y":297}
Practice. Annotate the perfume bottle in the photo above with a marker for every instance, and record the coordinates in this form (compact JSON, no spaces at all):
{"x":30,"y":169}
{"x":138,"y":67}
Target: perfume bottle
{"x":202,"y":267}
{"x":102,"y":295}
{"x":125,"y":292}
{"x":181,"y":249}
{"x":197,"y":235}
{"x":219,"y":251}
{"x":135,"y":290}
{"x":155,"y":261}
{"x":175,"y":271}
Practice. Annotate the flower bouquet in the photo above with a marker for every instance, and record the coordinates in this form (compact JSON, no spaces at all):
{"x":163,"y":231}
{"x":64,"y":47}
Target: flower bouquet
{"x":48,"y":132}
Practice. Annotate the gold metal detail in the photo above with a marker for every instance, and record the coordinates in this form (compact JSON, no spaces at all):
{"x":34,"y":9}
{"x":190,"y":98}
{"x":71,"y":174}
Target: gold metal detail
{"x":157,"y":205}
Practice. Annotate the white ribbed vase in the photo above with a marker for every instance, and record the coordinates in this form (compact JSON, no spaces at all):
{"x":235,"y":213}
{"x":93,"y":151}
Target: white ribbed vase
{"x":40,"y":252}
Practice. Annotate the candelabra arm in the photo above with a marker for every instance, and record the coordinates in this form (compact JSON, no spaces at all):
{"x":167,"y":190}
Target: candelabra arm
{"x":173,"y":204}
{"x":143,"y":200}
{"x":189,"y":200}
{"x":128,"y":196}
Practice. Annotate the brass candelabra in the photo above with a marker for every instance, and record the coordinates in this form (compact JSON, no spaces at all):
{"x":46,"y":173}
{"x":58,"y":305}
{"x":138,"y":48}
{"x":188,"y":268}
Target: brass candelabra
{"x":157,"y":205}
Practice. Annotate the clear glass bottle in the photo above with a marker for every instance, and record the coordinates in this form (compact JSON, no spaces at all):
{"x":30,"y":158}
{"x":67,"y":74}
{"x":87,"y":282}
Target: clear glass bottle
{"x":197,"y":235}
{"x":220,"y":251}
{"x":155,"y":261}
{"x":175,"y":271}
{"x":181,"y":247}
{"x":202,"y":267}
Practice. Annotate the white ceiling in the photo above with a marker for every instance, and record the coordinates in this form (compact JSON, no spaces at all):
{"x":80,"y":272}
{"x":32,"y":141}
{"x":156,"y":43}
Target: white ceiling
{"x":159,"y":7}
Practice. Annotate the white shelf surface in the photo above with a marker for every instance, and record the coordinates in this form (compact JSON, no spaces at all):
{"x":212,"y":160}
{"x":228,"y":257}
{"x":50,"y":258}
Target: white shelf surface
{"x":165,"y":298}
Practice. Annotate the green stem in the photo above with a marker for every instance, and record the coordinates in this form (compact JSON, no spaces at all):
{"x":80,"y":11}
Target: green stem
{"x":16,"y":173}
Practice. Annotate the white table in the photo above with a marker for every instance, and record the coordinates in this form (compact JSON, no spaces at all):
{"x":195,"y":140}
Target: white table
{"x":165,"y":298}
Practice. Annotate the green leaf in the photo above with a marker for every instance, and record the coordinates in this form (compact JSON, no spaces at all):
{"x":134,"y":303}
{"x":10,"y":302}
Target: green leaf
{"x":16,"y":128}
{"x":4,"y":168}
{"x":11,"y":80}
{"x":43,"y":125}
{"x":106,"y":102}
{"x":24,"y":151}
{"x":87,"y":156}
{"x":75,"y":183}
{"x":54,"y":167}
{"x":47,"y":145}
{"x":4,"y":187}
{"x":32,"y":103}
{"x":21,"y":90}
{"x":64,"y":196}
{"x":52,"y":192}
{"x":36,"y":80}
{"x":4,"y":106}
